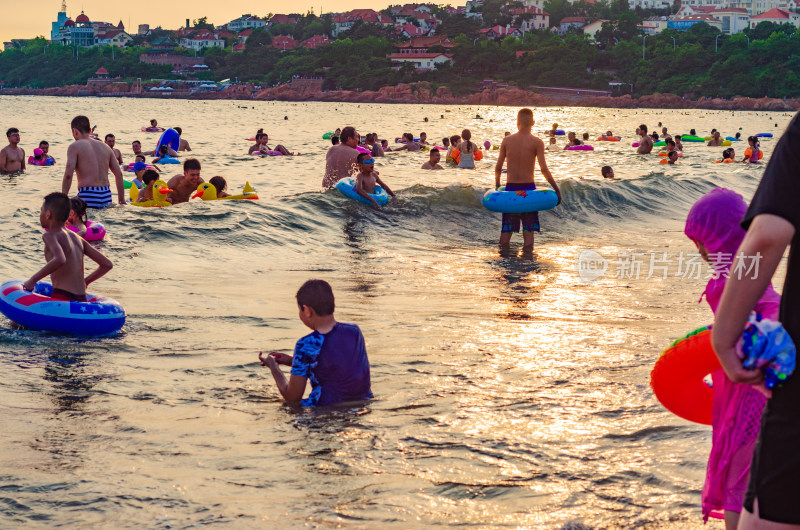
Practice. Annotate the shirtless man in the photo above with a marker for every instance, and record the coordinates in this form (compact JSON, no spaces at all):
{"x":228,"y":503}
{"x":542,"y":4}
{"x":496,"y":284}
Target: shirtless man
{"x":433,"y":162}
{"x":184,"y":185}
{"x":716,"y":141}
{"x":12,"y":157}
{"x":184,"y":145}
{"x":91,"y":160}
{"x":340,"y":162}
{"x":523,"y":150}
{"x":645,"y":142}
{"x":664,"y":134}
{"x":111,"y":141}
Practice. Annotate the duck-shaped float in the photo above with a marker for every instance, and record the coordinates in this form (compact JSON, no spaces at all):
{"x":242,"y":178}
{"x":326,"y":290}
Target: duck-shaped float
{"x":160,"y":191}
{"x":208,"y":192}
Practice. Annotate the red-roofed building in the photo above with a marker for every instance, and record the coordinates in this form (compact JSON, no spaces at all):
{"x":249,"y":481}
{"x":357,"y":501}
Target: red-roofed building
{"x":687,"y":10}
{"x":239,"y":47}
{"x":344,"y":21}
{"x":202,"y":39}
{"x":777,"y":16}
{"x":420,"y":61}
{"x":281,"y":19}
{"x":423,"y":44}
{"x":243,"y":35}
{"x":500,"y":32}
{"x":570,"y":22}
{"x":410,"y":30}
{"x":530,"y":18}
{"x":315,"y":42}
{"x":284,"y":42}
{"x":101,"y":72}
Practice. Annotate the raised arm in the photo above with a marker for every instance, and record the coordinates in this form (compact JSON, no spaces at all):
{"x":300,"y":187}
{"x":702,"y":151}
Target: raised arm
{"x":114,"y":166}
{"x":56,"y":261}
{"x":291,"y":390}
{"x":69,"y":170}
{"x":765,"y":241}
{"x":498,"y":168}
{"x":544,"y":169}
{"x":104,"y":264}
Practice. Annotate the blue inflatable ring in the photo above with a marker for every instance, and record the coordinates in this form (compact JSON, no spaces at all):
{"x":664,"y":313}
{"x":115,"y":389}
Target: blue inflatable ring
{"x":733,"y":139}
{"x":764,"y":135}
{"x":169,"y":137}
{"x":519,"y":201}
{"x":348,"y":188}
{"x":36,"y":310}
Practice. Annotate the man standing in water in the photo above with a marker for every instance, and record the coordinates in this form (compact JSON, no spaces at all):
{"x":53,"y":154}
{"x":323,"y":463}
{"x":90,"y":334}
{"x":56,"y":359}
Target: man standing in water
{"x":522,"y":149}
{"x":111,"y":141}
{"x":772,"y":223}
{"x":645,"y":142}
{"x":340,"y":162}
{"x":12,"y":157}
{"x":91,"y":160}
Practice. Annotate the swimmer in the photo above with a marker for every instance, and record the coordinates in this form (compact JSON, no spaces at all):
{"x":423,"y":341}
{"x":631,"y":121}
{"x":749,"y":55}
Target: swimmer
{"x":455,"y":142}
{"x":571,"y":140}
{"x":753,"y":153}
{"x":716,"y":141}
{"x":77,"y":215}
{"x":149,"y":177}
{"x":334,"y":140}
{"x":44,"y":145}
{"x":280,"y":148}
{"x":692,"y":132}
{"x":183,"y":145}
{"x":337,"y":132}
{"x":162,"y":155}
{"x":64,"y":250}
{"x":91,"y":161}
{"x":385,"y":145}
{"x":221,"y":185}
{"x":184,"y":185}
{"x":467,"y":148}
{"x":728,"y":156}
{"x":552,"y":145}
{"x":672,"y":158}
{"x":607,"y":172}
{"x":340,"y":160}
{"x":139,"y":167}
{"x":645,"y":142}
{"x":585,"y":137}
{"x":12,"y":157}
{"x":664,"y":134}
{"x":368,"y":178}
{"x":111,"y":141}
{"x":446,"y":142}
{"x":373,"y":145}
{"x":506,"y":134}
{"x":738,"y":136}
{"x":433,"y":162}
{"x":678,"y":144}
{"x":410,"y":144}
{"x":423,"y":138}
{"x":38,"y":158}
{"x":609,"y":134}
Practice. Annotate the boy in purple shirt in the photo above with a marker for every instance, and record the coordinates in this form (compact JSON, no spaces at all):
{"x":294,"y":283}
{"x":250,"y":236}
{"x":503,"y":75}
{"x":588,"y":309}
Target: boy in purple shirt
{"x":333,"y":357}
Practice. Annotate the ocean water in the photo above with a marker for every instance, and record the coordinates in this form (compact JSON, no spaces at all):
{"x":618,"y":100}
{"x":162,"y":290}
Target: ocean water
{"x":509,"y":391}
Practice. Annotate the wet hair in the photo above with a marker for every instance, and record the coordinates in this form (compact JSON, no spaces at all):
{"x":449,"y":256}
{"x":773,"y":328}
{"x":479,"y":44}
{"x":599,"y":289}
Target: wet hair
{"x":109,"y":135}
{"x":162,"y":150}
{"x":671,"y":142}
{"x":578,"y":142}
{"x":191,"y":163}
{"x":585,"y":136}
{"x":44,"y":142}
{"x":726,"y":153}
{"x":142,"y":157}
{"x":423,"y":133}
{"x":81,"y":124}
{"x":692,"y":132}
{"x":347,"y":133}
{"x":713,"y":130}
{"x":677,"y":137}
{"x":11,"y":131}
{"x":454,"y":139}
{"x":466,"y":135}
{"x":408,"y":136}
{"x":149,"y":175}
{"x":79,"y":206}
{"x":136,"y":142}
{"x":219,"y":183}
{"x":152,"y":121}
{"x":654,"y":136}
{"x":643,"y":128}
{"x":58,"y":204}
{"x":318,"y":295}
{"x":752,"y":139}
{"x":525,"y":117}
{"x":669,"y":155}
{"x":738,"y":135}
{"x":445,"y":141}
{"x":334,"y":140}
{"x":434,"y":150}
{"x":362,"y":156}
{"x":178,"y":130}
{"x":605,"y":170}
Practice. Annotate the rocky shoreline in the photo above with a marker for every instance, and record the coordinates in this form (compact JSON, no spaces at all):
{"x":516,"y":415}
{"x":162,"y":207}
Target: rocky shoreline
{"x":425,"y":93}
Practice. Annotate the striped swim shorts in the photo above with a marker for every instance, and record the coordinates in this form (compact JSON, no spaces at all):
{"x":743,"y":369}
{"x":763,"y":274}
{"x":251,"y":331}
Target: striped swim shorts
{"x":96,"y":196}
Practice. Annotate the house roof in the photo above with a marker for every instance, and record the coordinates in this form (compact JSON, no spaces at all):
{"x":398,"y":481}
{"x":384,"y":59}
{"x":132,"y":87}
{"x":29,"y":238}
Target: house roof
{"x":315,"y":41}
{"x":573,"y":20}
{"x":282,"y":19}
{"x":68,"y":23}
{"x":427,"y":42}
{"x":238,"y":47}
{"x":731,"y":10}
{"x":246,"y":33}
{"x":500,"y":30}
{"x":411,"y":30}
{"x":284,"y":42}
{"x":82,"y":19}
{"x":774,"y":14}
{"x":101,"y":71}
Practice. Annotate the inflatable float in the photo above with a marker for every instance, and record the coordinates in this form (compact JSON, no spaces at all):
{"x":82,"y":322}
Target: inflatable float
{"x":678,"y":376}
{"x":604,"y":138}
{"x":347,"y":187}
{"x":326,"y":136}
{"x":36,"y":310}
{"x":519,"y":201}
{"x":170,"y":138}
{"x":764,"y":135}
{"x":582,"y":147}
{"x":49,"y":161}
{"x":153,"y":129}
{"x":732,"y":139}
{"x":94,"y":231}
{"x":159,"y":200}
{"x":208,"y":192}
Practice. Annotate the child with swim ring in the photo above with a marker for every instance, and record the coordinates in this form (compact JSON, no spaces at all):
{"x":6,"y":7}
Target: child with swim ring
{"x":753,"y":153}
{"x":728,"y":156}
{"x":713,"y":225}
{"x":221,"y":185}
{"x":77,"y":215}
{"x":149,"y":177}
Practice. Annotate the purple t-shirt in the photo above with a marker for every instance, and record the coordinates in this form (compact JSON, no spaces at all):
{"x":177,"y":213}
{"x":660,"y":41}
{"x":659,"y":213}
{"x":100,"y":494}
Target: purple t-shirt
{"x":336,"y":364}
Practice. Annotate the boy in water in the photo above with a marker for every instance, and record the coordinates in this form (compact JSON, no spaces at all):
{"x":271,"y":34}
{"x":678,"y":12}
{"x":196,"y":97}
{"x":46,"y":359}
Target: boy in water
{"x":552,"y":145}
{"x":149,"y":177}
{"x":433,"y":162}
{"x":367,"y":178}
{"x":607,"y":172}
{"x":522,"y":150}
{"x":64,"y":251}
{"x":333,"y":357}
{"x":672,"y":158}
{"x":423,"y":138}
{"x":45,"y":147}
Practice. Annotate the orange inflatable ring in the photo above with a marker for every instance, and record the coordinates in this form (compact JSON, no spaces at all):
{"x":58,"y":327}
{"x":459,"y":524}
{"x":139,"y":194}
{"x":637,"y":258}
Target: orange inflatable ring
{"x":665,"y":153}
{"x":677,"y":377}
{"x":749,"y":152}
{"x":604,"y":138}
{"x":479,"y":155}
{"x":455,"y":154}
